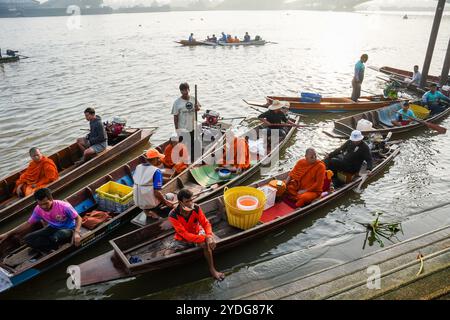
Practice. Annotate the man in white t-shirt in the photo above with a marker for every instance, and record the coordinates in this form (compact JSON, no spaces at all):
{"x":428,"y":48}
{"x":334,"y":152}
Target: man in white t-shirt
{"x":183,"y":111}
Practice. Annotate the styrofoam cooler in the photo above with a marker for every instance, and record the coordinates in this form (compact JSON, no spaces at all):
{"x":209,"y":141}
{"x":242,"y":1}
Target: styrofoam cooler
{"x":271,"y":194}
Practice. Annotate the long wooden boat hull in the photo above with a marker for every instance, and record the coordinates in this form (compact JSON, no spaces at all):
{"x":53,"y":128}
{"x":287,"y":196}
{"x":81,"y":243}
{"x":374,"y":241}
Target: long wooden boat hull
{"x":346,"y":125}
{"x":11,"y":205}
{"x":196,"y":43}
{"x":406,"y":74}
{"x":242,"y":43}
{"x":187,"y":180}
{"x":9,"y":59}
{"x":25,"y":267}
{"x":148,"y":243}
{"x":400,"y":75}
{"x":330,"y":104}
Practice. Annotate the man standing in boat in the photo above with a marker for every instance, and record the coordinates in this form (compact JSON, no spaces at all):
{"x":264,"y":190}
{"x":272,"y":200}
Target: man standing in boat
{"x":184,"y":110}
{"x":62,"y":224}
{"x":358,"y":77}
{"x":192,"y":229}
{"x":96,"y":141}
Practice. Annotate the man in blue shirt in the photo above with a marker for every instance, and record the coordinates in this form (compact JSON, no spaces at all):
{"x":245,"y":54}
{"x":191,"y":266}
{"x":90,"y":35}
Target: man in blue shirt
{"x":433,"y":100}
{"x":191,"y":38}
{"x":404,"y":116}
{"x":224,"y":37}
{"x":358,"y":77}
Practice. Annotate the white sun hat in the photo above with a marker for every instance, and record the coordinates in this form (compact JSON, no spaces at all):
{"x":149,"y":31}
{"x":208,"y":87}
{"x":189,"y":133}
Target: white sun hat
{"x":356,"y":136}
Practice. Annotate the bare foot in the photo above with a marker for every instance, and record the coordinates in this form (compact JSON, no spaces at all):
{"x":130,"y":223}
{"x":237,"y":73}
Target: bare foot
{"x":218,"y":275}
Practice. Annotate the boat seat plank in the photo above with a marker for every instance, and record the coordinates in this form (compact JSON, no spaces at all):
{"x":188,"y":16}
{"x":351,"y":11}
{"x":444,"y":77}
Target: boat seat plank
{"x":18,"y":258}
{"x":66,"y":158}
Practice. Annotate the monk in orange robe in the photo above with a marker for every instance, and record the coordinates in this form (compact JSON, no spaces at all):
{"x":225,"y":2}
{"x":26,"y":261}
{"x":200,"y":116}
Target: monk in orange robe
{"x":238,"y":155}
{"x":176,"y":151}
{"x":40,"y":172}
{"x":305,"y":181}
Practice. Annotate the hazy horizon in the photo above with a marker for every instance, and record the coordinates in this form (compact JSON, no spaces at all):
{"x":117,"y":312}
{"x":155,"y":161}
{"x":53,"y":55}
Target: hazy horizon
{"x":373,"y":5}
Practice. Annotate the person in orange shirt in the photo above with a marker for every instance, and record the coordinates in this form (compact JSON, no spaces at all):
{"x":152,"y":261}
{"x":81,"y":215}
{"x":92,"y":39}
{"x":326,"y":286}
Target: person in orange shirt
{"x":192,"y":229}
{"x":305,"y":181}
{"x":40,"y":172}
{"x":176,"y":155}
{"x":236,"y":156}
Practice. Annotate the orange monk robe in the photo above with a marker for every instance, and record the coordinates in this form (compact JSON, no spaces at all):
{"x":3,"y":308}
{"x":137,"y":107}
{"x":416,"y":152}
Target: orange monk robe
{"x":182,"y":158}
{"x":240,"y":154}
{"x":305,"y":176}
{"x":39,"y":174}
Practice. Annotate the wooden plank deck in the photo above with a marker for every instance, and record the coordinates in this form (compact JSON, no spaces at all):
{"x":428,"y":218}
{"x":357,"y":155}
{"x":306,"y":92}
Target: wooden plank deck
{"x":398,"y":264}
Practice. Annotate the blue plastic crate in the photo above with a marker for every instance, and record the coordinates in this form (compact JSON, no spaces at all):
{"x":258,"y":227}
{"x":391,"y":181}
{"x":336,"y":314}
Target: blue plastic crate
{"x":310,"y":97}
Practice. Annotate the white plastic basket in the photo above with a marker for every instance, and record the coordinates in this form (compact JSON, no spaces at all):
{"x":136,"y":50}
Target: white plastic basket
{"x":271,"y":194}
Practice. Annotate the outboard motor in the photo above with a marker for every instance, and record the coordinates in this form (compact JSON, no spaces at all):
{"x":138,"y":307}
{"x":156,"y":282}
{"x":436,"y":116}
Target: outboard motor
{"x":11,"y":53}
{"x":115,"y":128}
{"x":211,"y":117}
{"x":378,"y":144}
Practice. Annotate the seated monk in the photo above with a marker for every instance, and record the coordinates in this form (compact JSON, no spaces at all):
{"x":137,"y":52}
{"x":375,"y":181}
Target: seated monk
{"x":236,"y":158}
{"x":40,"y":172}
{"x":305,"y":181}
{"x":177,"y":151}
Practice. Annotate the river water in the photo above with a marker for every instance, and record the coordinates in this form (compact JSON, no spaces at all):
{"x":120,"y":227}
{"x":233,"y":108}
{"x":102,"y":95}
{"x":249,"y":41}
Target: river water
{"x":128,"y":65}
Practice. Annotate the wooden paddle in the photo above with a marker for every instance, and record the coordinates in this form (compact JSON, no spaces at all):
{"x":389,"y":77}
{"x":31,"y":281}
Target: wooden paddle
{"x":430,"y":125}
{"x":250,"y":104}
{"x":358,"y":188}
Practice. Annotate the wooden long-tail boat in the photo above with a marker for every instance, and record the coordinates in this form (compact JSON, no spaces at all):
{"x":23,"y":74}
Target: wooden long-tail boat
{"x":9,"y":59}
{"x":148,"y":245}
{"x":195,"y":43}
{"x":381,"y":122}
{"x":405,"y":74}
{"x":243,"y":43}
{"x":400,"y":76}
{"x":330,"y":104}
{"x":65,"y":159}
{"x":18,"y":262}
{"x":203,"y":180}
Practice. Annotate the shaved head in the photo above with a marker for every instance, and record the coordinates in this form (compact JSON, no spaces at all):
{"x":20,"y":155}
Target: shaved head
{"x":310,"y":155}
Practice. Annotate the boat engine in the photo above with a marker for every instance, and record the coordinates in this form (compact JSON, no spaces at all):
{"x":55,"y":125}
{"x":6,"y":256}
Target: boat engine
{"x":115,"y":128}
{"x":211,"y":117}
{"x":378,"y":144}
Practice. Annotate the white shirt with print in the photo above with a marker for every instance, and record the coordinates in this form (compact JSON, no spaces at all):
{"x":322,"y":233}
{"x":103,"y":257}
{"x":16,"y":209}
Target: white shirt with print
{"x":185,"y":111}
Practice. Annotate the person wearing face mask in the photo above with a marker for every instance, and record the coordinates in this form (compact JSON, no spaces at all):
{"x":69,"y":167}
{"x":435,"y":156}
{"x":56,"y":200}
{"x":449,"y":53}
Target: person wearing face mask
{"x":192,"y":229}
